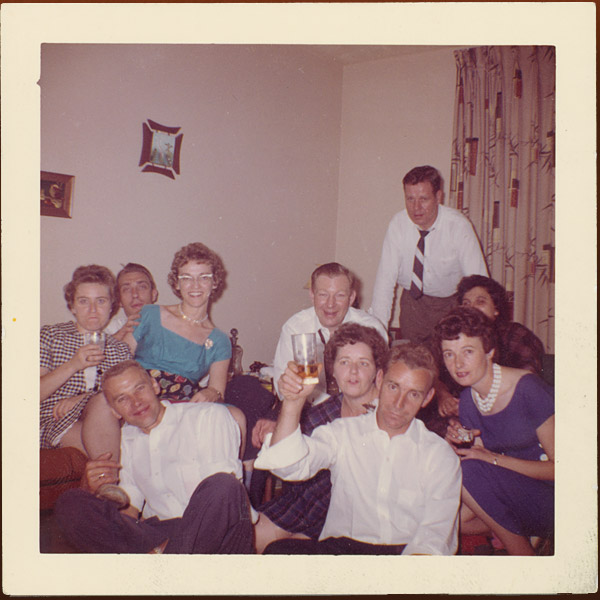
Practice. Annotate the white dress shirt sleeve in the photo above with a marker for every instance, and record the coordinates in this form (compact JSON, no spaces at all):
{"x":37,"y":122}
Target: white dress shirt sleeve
{"x":126,"y":481}
{"x":438,"y":529}
{"x":221,"y":454}
{"x":387,"y":277}
{"x":471,"y":256}
{"x":298,"y":457}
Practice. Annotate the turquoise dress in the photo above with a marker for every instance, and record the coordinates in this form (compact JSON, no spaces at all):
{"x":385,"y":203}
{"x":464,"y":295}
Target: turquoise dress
{"x":180,"y":363}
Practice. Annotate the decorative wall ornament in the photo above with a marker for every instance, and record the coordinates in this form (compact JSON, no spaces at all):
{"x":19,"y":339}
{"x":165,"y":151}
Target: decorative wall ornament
{"x":161,"y":149}
{"x":56,"y":194}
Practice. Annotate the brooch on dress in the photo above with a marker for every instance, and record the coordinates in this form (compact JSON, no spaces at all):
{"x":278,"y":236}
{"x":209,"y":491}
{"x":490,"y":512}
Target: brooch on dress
{"x":208,"y":344}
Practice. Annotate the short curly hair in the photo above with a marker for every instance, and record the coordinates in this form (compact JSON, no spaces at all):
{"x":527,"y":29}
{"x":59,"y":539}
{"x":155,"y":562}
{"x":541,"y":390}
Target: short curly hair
{"x":470,"y":322}
{"x":353,"y":333}
{"x":415,"y":356}
{"x":92,"y":274}
{"x":493,"y":288}
{"x":198,"y":252}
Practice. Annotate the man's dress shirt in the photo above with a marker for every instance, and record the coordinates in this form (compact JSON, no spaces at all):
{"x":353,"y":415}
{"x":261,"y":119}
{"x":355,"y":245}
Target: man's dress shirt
{"x":307,"y":321}
{"x":403,"y":490}
{"x":452,"y":251}
{"x":163,"y":467}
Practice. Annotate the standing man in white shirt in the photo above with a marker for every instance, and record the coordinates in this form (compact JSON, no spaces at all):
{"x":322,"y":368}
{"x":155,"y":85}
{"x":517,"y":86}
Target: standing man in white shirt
{"x":135,"y":288}
{"x":395,"y":485}
{"x":180,"y":488}
{"x":332,"y":293}
{"x":451,"y":252}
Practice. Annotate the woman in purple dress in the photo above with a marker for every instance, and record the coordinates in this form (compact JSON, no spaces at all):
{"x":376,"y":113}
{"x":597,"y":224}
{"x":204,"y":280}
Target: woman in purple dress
{"x":356,"y":355}
{"x":517,"y":346}
{"x":508,"y":472}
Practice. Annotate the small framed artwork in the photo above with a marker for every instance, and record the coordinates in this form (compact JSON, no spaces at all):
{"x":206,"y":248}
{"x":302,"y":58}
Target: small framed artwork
{"x":56,"y":194}
{"x":161,"y":149}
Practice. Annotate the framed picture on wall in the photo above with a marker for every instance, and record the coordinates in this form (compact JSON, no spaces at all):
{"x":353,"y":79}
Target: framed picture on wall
{"x":56,"y":194}
{"x":161,"y":149}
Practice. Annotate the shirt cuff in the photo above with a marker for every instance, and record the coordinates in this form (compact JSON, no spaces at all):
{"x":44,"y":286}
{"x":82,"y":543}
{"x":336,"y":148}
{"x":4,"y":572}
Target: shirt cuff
{"x":284,"y":453}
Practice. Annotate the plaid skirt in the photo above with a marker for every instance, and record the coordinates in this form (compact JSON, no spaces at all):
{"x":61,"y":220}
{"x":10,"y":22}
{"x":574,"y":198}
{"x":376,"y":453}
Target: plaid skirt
{"x":302,"y":508}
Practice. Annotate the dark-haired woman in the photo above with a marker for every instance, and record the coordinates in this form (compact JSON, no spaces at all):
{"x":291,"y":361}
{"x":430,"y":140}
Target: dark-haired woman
{"x":517,"y":346}
{"x":508,"y":472}
{"x":70,"y":370}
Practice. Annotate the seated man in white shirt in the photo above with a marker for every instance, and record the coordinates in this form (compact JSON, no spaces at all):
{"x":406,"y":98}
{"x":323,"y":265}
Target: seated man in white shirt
{"x":135,"y":288}
{"x":179,"y":468}
{"x":332,"y":293}
{"x":395,"y":485}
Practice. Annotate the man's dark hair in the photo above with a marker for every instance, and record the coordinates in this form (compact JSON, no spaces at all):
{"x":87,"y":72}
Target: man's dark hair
{"x":421,"y":174}
{"x":134,"y":268}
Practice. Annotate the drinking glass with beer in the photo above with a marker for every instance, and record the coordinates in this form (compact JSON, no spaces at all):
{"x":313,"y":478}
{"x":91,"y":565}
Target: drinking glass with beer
{"x":304,"y":346}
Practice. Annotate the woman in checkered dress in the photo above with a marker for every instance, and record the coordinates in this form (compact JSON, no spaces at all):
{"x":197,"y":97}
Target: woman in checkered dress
{"x":356,"y":355}
{"x":70,"y":371}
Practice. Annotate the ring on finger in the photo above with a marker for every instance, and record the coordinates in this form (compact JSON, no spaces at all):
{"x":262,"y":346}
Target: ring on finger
{"x":101,"y":475}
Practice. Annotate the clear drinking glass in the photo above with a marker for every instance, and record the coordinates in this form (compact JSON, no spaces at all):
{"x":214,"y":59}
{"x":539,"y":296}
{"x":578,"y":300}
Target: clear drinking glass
{"x":304,"y":346}
{"x":95,"y":337}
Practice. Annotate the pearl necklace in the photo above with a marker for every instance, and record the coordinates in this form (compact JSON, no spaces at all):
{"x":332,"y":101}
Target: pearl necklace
{"x":485,"y":404}
{"x":194,"y":321}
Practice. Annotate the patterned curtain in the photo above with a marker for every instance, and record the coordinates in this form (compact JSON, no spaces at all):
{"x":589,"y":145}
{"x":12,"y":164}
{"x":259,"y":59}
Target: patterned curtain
{"x":502,"y":175}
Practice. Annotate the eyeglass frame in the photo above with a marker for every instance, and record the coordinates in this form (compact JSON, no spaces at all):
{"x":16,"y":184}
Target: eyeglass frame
{"x":205,"y":279}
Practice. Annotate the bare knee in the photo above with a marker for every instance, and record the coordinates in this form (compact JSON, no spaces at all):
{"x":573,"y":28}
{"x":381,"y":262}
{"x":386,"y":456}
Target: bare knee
{"x":265,"y":532}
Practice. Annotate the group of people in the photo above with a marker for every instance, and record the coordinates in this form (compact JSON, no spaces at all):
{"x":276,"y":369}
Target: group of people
{"x":169,"y":441}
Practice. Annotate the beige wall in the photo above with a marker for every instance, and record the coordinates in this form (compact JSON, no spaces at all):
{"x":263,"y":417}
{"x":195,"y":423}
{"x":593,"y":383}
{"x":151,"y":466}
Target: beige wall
{"x":259,"y":160}
{"x":273,"y":135}
{"x":396,"y":114}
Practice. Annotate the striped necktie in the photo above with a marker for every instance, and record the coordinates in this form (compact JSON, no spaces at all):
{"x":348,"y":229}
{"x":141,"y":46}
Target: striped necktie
{"x":416,"y":284}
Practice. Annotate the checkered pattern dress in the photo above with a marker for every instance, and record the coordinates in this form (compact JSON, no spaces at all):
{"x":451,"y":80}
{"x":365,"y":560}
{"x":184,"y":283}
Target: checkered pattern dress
{"x":302,"y":508}
{"x":58,"y":344}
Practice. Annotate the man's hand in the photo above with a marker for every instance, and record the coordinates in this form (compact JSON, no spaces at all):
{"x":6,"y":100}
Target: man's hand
{"x":260,"y":431}
{"x":132,"y":322}
{"x":447,"y":405}
{"x":62,"y":407}
{"x":99,"y":471}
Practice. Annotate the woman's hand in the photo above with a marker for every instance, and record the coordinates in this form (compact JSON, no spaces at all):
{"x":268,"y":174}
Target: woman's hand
{"x":62,"y":407}
{"x":478,"y":452}
{"x":291,"y":385}
{"x":89,"y":355}
{"x":453,"y":434}
{"x":260,"y":431}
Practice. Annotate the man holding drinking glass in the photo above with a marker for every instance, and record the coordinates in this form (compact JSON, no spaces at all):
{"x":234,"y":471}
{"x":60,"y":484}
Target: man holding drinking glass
{"x":332,"y":294}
